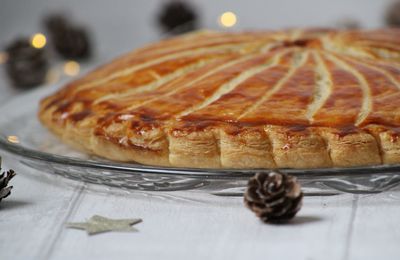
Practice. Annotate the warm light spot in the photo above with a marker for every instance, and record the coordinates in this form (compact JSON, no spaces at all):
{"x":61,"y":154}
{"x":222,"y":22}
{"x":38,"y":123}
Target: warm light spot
{"x":3,"y":57}
{"x":71,"y":68}
{"x":38,"y":41}
{"x":52,"y":76}
{"x":227,"y":19}
{"x":13,"y":139}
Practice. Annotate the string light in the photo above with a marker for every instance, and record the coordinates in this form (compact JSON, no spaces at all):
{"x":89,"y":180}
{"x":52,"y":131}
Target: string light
{"x":228,"y":19}
{"x":3,"y":57}
{"x":38,"y":41}
{"x":13,"y":139}
{"x":52,"y":76}
{"x":71,"y":68}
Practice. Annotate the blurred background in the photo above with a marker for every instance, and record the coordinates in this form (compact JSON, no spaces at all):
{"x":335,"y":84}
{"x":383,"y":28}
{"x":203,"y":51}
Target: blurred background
{"x":42,"y":41}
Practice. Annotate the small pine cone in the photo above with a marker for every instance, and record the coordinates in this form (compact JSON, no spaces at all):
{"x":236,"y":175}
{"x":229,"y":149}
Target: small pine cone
{"x":69,"y":41}
{"x":5,"y":177}
{"x":26,"y":66}
{"x":177,"y":17}
{"x":273,"y":197}
{"x":393,"y":15}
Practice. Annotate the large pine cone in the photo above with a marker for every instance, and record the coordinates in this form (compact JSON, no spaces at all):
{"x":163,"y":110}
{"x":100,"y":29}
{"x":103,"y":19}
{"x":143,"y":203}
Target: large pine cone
{"x":26,"y":66}
{"x":274,"y":197}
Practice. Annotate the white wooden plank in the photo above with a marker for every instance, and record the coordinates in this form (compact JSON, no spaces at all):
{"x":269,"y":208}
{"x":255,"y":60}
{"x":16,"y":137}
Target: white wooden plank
{"x":376,"y":230}
{"x":191,"y":224}
{"x":210,"y":227}
{"x":32,"y":214}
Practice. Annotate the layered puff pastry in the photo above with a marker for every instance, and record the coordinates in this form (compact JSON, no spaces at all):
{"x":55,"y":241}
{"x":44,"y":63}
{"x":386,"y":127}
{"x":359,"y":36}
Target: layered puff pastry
{"x":273,"y":99}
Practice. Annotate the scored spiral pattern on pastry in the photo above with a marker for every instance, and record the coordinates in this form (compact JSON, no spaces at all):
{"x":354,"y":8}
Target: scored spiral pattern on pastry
{"x":295,"y":98}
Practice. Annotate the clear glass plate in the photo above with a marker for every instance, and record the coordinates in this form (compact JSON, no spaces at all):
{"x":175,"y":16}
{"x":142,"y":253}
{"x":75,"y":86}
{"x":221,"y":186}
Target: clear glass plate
{"x":22,"y":135}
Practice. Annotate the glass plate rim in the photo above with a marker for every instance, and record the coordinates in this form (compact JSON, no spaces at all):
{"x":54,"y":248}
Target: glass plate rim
{"x":31,"y":154}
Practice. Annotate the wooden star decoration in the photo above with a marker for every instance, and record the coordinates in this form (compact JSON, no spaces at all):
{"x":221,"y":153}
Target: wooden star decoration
{"x":98,"y":224}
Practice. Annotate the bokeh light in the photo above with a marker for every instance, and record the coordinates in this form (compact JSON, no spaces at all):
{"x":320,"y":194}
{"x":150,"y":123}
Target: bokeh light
{"x":228,"y":19}
{"x":52,"y":76}
{"x":38,"y":40}
{"x":71,"y":68}
{"x":3,"y":57}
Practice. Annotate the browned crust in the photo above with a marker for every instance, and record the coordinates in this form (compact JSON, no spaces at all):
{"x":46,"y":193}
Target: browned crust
{"x":252,"y":147}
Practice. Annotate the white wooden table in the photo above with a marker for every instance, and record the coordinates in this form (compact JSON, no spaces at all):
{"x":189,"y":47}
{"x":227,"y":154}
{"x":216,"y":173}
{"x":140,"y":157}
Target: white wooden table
{"x":182,"y":225}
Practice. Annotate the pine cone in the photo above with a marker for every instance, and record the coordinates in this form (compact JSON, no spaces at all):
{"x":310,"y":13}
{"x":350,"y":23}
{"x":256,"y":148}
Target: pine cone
{"x":393,"y":15}
{"x":69,"y":41}
{"x":177,"y":17}
{"x":26,"y":66}
{"x":5,"y":177}
{"x":274,"y":197}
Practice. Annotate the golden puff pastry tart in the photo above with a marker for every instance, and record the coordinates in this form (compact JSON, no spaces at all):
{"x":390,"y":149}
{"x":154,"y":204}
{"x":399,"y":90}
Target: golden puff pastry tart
{"x":271,"y":99}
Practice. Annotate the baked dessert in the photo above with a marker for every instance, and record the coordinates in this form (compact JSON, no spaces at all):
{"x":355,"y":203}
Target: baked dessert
{"x":294,"y":98}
